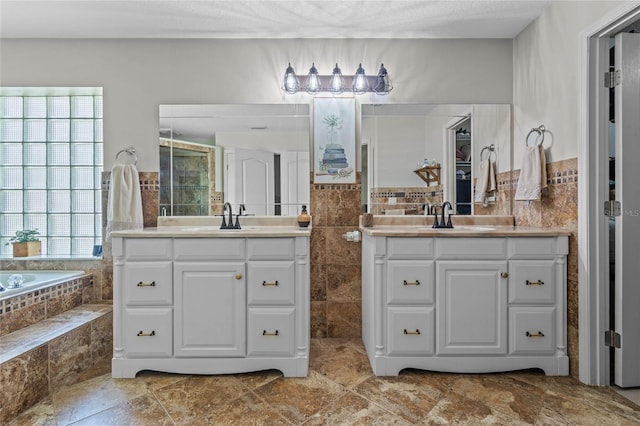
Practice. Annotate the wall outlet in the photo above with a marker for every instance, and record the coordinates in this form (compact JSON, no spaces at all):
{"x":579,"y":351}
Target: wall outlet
{"x":393,"y":200}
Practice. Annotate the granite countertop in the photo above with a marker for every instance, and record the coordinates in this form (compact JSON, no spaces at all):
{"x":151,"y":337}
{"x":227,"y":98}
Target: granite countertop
{"x":209,"y":227}
{"x":463,"y":226}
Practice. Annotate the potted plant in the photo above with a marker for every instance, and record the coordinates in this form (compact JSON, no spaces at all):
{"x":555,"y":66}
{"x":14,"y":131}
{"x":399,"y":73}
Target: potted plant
{"x":25,"y":243}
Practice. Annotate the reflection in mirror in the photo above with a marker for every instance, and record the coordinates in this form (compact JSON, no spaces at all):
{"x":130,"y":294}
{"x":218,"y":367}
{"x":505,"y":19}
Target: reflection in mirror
{"x":420,"y":155}
{"x":254,"y":155}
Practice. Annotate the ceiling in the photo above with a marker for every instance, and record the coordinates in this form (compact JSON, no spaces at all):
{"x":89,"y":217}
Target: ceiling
{"x":242,"y":19}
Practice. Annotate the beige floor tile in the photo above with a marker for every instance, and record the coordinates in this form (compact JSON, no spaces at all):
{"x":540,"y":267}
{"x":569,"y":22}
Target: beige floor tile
{"x":339,"y":390}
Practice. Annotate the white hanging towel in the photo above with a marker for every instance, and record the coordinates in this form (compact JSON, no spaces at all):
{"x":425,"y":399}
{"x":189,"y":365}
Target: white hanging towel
{"x":124,"y":208}
{"x":486,"y":181}
{"x":533,"y":174}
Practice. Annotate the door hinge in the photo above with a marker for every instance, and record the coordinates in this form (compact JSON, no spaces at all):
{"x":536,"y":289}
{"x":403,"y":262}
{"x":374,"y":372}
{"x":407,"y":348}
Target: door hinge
{"x":612,"y":339}
{"x":611,"y":79}
{"x":612,"y":208}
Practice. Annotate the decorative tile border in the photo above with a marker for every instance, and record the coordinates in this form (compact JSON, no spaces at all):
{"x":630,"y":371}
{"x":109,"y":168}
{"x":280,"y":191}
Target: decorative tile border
{"x":31,"y":299}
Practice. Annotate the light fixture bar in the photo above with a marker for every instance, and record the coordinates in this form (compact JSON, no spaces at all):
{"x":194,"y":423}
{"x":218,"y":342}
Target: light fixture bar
{"x":336,"y":83}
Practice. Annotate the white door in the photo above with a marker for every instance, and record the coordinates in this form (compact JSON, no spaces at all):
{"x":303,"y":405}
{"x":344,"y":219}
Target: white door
{"x":294,"y":182}
{"x":251,"y":178}
{"x":627,"y":227}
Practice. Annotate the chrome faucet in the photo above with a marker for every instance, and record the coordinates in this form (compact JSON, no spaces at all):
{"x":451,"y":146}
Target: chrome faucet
{"x":224,"y":224}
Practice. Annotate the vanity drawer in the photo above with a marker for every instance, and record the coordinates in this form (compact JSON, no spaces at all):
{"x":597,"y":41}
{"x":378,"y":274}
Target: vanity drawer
{"x":532,"y":330}
{"x":136,"y":249}
{"x":270,"y":249}
{"x":537,"y":247}
{"x":532,"y":281}
{"x":148,"y":333}
{"x":479,"y":248}
{"x":410,"y":331}
{"x":410,"y":282}
{"x":271,"y":282}
{"x":409,"y":248}
{"x":208,"y":249}
{"x":148,"y":283}
{"x":271,"y":331}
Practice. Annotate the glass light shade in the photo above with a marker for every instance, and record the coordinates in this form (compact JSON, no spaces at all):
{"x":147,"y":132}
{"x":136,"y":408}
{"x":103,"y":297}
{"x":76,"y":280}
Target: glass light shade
{"x":383,"y":83}
{"x":336,"y":85}
{"x":290,"y":83}
{"x":312,"y":85}
{"x":360,"y":84}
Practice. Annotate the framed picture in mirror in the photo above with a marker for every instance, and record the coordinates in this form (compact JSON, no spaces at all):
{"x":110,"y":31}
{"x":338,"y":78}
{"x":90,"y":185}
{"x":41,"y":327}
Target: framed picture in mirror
{"x":334,"y":140}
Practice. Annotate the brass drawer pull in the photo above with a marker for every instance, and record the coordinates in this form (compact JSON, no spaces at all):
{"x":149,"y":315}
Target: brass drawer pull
{"x":504,"y":274}
{"x":539,"y":282}
{"x":143,"y":334}
{"x":270,"y":333}
{"x":538,"y":334}
{"x":265,"y":284}
{"x":151,"y":284}
{"x":416,"y":282}
{"x":238,"y":276}
{"x":416,"y":331}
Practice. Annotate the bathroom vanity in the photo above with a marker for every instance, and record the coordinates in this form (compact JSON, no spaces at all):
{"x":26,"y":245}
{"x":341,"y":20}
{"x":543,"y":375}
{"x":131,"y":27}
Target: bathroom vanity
{"x":192,"y":298}
{"x":477,"y":298}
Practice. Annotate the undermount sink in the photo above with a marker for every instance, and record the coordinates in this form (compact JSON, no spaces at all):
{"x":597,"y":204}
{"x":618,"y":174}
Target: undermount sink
{"x":475,"y":228}
{"x":215,"y":228}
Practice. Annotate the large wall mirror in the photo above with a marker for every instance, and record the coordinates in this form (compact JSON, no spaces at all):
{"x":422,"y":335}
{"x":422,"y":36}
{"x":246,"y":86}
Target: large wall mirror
{"x":255,"y":155}
{"x":417,"y":155}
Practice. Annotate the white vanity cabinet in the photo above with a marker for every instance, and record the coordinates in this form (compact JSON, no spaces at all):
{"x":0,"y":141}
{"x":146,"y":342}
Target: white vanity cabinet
{"x":464,"y":304}
{"x":211,"y":305}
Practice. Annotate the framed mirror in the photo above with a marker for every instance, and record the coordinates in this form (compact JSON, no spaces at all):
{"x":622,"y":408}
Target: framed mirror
{"x":255,"y":155}
{"x":420,"y":155}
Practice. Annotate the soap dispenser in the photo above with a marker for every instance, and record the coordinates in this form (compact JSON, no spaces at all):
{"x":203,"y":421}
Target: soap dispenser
{"x":304,"y":218}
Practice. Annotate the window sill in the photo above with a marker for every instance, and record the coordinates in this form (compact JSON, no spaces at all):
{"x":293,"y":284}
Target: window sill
{"x":51,"y":257}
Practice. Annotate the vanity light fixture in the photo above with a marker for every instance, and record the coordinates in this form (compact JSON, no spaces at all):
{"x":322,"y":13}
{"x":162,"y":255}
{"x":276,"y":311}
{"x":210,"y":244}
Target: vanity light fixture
{"x":312,"y":85}
{"x":290,"y":84}
{"x":336,"y":83}
{"x":360,"y":84}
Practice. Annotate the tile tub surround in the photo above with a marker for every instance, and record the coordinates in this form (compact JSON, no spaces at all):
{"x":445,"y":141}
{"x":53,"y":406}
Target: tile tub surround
{"x":34,"y":306}
{"x":340,"y":389}
{"x":56,"y":352}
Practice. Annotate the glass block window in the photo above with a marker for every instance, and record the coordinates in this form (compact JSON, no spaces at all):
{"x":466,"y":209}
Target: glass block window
{"x":50,"y":168}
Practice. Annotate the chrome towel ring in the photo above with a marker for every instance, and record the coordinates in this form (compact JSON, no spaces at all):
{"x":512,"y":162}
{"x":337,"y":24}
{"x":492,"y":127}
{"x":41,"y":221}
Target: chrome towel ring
{"x":131,"y":151}
{"x":491,"y":148}
{"x":535,"y":136}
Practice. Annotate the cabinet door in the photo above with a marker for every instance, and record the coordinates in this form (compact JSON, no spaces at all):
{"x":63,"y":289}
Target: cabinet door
{"x":472,"y":307}
{"x":210,"y":309}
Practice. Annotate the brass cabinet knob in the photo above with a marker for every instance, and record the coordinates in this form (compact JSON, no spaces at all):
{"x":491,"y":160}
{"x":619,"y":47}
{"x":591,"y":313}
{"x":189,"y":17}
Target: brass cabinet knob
{"x":238,"y":276}
{"x":504,"y":274}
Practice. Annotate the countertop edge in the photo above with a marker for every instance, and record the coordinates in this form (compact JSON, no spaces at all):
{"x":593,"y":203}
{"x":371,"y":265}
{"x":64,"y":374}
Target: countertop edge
{"x":213,"y":232}
{"x":496,"y":231}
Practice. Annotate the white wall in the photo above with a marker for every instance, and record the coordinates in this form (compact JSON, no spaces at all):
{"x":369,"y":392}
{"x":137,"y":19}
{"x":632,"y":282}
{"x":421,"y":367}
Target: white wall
{"x":545,"y":75}
{"x":138,"y":75}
